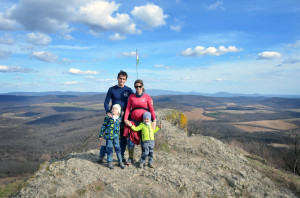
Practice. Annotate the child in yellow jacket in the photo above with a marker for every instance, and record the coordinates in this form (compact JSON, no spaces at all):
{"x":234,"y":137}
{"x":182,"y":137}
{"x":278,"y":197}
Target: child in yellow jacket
{"x":147,"y":136}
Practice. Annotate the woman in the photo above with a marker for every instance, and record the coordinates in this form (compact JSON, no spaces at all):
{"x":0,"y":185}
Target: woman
{"x":137,"y":105}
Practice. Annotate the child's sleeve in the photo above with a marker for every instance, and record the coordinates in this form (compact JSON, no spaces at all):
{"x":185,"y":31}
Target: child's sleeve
{"x":103,"y":127}
{"x":156,"y":129}
{"x":137,"y":128}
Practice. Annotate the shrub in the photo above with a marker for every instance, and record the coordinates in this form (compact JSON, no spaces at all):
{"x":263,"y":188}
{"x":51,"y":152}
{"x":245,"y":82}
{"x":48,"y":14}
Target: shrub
{"x":11,"y":189}
{"x":177,"y":118}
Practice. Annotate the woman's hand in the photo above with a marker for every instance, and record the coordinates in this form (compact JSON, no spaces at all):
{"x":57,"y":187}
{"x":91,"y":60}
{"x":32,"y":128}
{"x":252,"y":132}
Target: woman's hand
{"x":128,"y":123}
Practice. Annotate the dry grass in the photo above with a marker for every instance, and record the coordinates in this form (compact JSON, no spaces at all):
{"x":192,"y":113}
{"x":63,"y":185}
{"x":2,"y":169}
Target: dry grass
{"x":280,"y":177}
{"x":276,"y":145}
{"x":85,"y":105}
{"x":14,"y":116}
{"x":245,"y":111}
{"x":265,"y":125}
{"x":197,"y":114}
{"x":252,"y":129}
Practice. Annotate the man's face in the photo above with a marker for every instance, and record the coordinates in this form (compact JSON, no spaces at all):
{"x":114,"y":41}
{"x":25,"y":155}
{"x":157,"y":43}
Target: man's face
{"x":121,"y":80}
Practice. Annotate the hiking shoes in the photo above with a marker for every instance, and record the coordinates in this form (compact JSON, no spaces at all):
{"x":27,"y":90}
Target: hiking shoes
{"x":110,"y":166}
{"x":121,"y":165}
{"x":130,"y":161}
{"x":151,"y":165}
{"x":141,"y":165}
{"x":100,"y":160}
{"x":124,"y":160}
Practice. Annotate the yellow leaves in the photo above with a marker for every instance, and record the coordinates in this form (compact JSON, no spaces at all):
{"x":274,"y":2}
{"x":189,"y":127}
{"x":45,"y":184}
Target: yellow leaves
{"x":177,"y":118}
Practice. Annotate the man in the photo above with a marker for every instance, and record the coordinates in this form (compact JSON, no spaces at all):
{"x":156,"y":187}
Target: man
{"x":118,"y":94}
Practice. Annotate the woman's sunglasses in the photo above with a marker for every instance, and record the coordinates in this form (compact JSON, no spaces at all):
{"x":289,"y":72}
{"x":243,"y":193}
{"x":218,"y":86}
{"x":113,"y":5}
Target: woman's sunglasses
{"x":138,"y":86}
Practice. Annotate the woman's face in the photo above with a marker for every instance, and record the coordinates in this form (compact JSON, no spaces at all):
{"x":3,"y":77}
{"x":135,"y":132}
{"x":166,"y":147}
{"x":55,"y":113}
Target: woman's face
{"x":139,"y":88}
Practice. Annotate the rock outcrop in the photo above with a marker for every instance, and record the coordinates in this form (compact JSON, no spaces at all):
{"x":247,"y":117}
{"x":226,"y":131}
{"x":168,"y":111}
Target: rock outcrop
{"x":195,"y":166}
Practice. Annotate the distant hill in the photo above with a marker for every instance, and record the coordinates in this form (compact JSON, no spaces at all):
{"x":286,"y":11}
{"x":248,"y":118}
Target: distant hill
{"x":74,"y":93}
{"x":152,"y":92}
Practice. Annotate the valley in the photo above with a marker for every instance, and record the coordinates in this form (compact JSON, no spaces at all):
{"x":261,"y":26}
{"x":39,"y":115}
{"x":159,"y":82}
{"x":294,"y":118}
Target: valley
{"x":34,"y":129}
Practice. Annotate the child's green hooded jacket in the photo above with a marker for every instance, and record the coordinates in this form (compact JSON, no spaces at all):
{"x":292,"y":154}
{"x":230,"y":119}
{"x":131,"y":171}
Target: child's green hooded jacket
{"x":147,"y":133}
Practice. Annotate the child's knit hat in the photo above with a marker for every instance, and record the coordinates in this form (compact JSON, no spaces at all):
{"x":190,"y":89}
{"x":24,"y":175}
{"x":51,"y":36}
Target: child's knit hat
{"x":118,"y":107}
{"x":147,"y":115}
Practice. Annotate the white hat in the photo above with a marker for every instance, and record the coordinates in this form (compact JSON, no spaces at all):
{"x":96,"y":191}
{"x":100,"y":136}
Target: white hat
{"x":118,"y":107}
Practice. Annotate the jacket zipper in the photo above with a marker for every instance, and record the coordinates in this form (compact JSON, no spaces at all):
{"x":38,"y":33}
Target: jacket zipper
{"x":149,"y":131}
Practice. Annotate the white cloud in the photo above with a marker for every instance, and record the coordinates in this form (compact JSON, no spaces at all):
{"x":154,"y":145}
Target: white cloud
{"x":4,"y":54}
{"x":116,"y":37}
{"x":57,"y":16}
{"x":70,"y":47}
{"x":162,"y":66}
{"x":105,"y":80}
{"x":4,"y":68}
{"x":7,"y":39}
{"x":186,"y":78}
{"x":291,"y":61}
{"x":129,"y":54}
{"x":6,"y":23}
{"x":150,"y":14}
{"x":176,"y":28}
{"x":45,"y":56}
{"x":67,"y":60}
{"x":295,"y":45}
{"x":79,"y":72}
{"x":38,"y":38}
{"x":68,"y":37}
{"x":269,"y":55}
{"x":45,"y":16}
{"x":71,"y":83}
{"x":216,"y":5}
{"x":201,"y":51}
{"x":98,"y":16}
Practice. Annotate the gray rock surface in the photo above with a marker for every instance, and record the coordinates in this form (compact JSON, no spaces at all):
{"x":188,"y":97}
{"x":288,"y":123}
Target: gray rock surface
{"x":195,"y":166}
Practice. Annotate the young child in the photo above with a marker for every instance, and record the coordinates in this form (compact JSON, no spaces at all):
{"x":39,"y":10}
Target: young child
{"x":147,"y":134}
{"x":111,"y":132}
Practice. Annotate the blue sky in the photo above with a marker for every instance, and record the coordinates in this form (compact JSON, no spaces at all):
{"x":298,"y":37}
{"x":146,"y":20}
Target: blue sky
{"x":241,"y":46}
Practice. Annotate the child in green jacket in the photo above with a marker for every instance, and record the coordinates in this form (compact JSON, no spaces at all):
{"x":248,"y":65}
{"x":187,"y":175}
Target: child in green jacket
{"x":147,"y":136}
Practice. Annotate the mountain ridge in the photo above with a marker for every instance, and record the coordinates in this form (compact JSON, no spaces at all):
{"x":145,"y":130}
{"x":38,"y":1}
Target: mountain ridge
{"x":154,"y":92}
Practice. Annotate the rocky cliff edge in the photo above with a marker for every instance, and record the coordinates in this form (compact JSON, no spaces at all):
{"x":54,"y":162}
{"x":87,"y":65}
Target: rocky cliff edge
{"x":195,"y":166}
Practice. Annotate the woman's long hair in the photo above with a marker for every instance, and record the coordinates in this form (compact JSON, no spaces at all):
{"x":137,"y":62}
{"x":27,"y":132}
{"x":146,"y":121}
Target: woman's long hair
{"x":140,"y":82}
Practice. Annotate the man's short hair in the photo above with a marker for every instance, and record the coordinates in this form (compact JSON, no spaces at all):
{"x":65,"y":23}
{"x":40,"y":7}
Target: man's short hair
{"x":122,"y":73}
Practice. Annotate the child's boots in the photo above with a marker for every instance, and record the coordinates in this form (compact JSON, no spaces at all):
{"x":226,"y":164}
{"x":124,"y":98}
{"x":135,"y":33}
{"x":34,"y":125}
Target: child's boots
{"x":151,"y":165}
{"x":110,"y":166}
{"x":141,"y":164}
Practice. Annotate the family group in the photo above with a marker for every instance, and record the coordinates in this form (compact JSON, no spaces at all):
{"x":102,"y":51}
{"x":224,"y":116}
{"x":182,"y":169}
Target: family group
{"x":129,"y":121}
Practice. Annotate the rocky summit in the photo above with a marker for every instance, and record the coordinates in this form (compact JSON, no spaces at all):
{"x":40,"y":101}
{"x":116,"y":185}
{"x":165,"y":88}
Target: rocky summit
{"x":196,"y":166}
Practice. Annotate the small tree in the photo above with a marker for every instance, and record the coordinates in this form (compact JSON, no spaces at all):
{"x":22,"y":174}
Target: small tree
{"x":295,"y":146}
